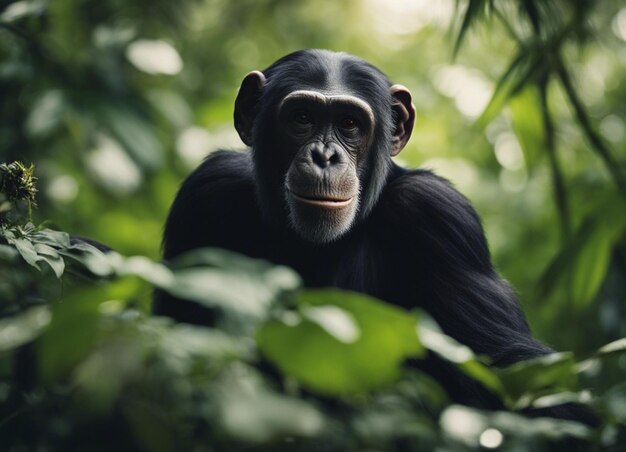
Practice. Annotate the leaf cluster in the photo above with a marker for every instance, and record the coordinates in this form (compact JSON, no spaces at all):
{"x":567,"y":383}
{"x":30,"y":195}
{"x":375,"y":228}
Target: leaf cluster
{"x":284,"y":367}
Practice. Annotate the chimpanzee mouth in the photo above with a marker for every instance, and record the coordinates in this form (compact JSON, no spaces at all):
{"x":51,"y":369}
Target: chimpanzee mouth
{"x":323,"y":201}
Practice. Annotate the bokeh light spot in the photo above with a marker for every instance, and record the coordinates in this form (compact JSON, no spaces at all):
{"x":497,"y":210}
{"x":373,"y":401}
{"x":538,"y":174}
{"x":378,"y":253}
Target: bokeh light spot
{"x":491,"y":438}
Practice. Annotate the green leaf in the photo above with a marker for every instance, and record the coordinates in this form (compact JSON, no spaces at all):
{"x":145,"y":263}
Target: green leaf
{"x":248,"y":410}
{"x":276,"y":275}
{"x":189,"y":348}
{"x":523,"y":67}
{"x":605,"y":353}
{"x":341,"y":342}
{"x":90,"y":258}
{"x":216,"y":287}
{"x":17,"y":11}
{"x":560,"y":398}
{"x":434,"y":339}
{"x":467,"y":425}
{"x":474,"y":10}
{"x":51,"y":257}
{"x":576,"y":274}
{"x":262,"y":416}
{"x":618,"y":346}
{"x":221,"y":278}
{"x":57,"y":239}
{"x":335,"y":321}
{"x":448,"y":348}
{"x":142,"y":267}
{"x":527,"y":124}
{"x":27,"y":251}
{"x":530,"y":379}
{"x":23,"y":328}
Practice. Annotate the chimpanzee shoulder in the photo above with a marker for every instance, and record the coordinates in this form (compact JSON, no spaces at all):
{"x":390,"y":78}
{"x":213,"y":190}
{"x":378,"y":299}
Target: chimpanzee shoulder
{"x":213,"y":204}
{"x":424,"y":207}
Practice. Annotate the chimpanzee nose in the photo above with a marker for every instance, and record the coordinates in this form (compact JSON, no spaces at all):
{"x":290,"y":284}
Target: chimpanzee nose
{"x":324,"y":155}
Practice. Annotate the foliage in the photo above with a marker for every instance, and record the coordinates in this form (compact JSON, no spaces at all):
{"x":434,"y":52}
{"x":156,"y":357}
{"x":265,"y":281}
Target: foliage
{"x":285,"y":368}
{"x":543,"y":34}
{"x":115,"y":101}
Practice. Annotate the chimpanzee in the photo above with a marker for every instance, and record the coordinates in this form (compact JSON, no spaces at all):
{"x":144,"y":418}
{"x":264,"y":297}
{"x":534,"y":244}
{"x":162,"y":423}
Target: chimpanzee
{"x":319,"y":192}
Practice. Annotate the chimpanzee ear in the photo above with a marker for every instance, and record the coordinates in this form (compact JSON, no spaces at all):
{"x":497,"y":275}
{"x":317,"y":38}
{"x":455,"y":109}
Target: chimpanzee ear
{"x":246,"y":104}
{"x":404,"y":117}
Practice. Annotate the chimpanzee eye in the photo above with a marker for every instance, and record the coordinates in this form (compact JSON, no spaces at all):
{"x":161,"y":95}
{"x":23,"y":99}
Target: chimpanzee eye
{"x":348,"y":123}
{"x":302,"y":117}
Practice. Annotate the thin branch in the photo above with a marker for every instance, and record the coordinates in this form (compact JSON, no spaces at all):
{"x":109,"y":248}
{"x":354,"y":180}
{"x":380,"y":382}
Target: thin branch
{"x":508,"y":27}
{"x":596,"y":141}
{"x":558,"y":184}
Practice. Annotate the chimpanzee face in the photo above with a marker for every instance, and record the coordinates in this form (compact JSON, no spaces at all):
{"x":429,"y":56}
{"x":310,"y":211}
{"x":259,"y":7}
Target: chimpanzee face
{"x":325,"y":138}
{"x":318,"y":133}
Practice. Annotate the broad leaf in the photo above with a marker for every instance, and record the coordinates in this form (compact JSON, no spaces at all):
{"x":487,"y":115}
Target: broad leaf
{"x":449,"y":349}
{"x":548,"y":374}
{"x":51,"y":257}
{"x":57,"y":239}
{"x":341,"y":342}
{"x":467,"y":425}
{"x":26,"y":250}
{"x":220,"y":278}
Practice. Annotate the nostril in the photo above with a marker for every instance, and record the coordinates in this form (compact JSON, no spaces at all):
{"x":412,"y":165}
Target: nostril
{"x":334,"y":158}
{"x":320,"y":159}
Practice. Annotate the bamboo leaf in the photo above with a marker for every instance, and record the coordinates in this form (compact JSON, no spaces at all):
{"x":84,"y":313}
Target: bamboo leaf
{"x":579,"y":269}
{"x":473,"y":11}
{"x":523,"y":67}
{"x":527,"y":125}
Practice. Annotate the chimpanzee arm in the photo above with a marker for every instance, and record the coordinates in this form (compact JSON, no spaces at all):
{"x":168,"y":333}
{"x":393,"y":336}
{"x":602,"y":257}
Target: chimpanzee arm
{"x":463,"y":292}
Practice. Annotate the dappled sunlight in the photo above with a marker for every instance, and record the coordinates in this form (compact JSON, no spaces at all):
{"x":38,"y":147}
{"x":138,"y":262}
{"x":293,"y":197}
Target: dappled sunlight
{"x":193,"y":145}
{"x":112,"y":167}
{"x":462,"y":172}
{"x":62,"y":189}
{"x":508,"y":151}
{"x":618,"y":25}
{"x":154,"y":57}
{"x":469,"y":88}
{"x":397,"y":17}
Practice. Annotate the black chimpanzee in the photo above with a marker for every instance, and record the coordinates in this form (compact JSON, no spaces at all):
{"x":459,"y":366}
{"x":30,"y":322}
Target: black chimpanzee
{"x":320,"y":193}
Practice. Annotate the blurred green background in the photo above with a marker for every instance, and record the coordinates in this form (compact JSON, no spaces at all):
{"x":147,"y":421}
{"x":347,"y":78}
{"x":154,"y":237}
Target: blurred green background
{"x":116,"y":101}
{"x":521,"y":104}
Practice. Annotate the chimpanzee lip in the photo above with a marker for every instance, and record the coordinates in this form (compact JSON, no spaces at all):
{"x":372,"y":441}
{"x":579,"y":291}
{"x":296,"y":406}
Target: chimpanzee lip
{"x":322,"y":201}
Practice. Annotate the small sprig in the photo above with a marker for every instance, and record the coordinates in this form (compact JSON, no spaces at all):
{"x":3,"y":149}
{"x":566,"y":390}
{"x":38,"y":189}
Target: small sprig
{"x":17,"y":182}
{"x":17,"y":188}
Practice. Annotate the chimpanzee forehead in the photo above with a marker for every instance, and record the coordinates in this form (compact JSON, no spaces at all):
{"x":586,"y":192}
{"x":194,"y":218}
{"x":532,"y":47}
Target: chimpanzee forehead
{"x":330,"y":99}
{"x":329,"y":73}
